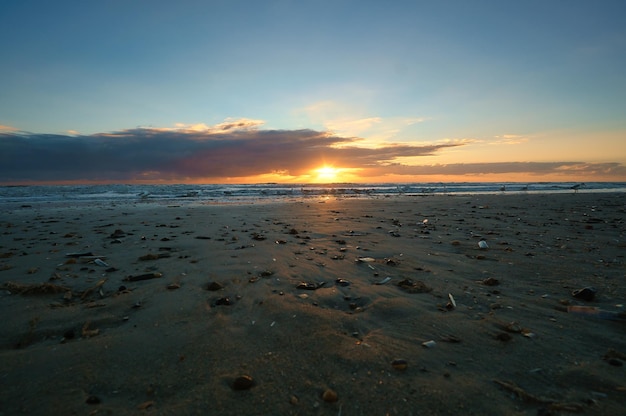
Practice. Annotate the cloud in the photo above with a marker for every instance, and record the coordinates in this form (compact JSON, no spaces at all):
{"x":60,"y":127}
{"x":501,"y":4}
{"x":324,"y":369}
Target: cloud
{"x":508,"y":139}
{"x":239,"y":149}
{"x":233,"y":149}
{"x":345,"y":119}
{"x":352,"y":127}
{"x":230,"y":124}
{"x":537,"y":169}
{"x":7,"y":128}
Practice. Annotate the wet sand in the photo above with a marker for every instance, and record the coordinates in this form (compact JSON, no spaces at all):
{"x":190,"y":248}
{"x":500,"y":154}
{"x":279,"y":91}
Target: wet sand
{"x":312,"y":297}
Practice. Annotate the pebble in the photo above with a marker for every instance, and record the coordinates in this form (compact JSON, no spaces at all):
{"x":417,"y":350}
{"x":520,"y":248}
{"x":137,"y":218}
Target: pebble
{"x":330,"y":396}
{"x":586,"y":293}
{"x":307,"y":286}
{"x":93,"y":400}
{"x":244,"y":382}
{"x":504,"y":337}
{"x":399,"y":364}
{"x":214,"y":286}
{"x":615,"y":362}
{"x":490,"y":281}
{"x":224,"y":301}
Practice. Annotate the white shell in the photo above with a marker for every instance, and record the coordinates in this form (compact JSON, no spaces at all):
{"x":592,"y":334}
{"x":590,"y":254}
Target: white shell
{"x":482,"y":244}
{"x":100,"y":263}
{"x":452,"y":301}
{"x":365,"y":259}
{"x":385,"y":280}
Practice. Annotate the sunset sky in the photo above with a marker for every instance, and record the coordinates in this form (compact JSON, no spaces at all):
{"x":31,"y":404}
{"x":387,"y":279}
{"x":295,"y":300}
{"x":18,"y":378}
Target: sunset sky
{"x":312,"y":91}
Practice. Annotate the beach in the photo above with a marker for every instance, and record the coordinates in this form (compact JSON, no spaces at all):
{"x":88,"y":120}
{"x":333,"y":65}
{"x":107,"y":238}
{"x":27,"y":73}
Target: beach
{"x":402,"y":305}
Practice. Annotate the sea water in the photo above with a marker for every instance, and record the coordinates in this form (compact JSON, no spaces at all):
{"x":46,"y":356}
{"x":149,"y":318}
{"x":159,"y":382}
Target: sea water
{"x":269,"y":192}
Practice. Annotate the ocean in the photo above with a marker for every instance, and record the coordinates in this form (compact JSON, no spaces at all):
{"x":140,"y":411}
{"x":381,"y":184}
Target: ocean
{"x":273,"y":192}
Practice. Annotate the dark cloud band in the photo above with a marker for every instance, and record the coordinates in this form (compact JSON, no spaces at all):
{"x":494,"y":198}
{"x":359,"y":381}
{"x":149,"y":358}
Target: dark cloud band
{"x":235,"y":152}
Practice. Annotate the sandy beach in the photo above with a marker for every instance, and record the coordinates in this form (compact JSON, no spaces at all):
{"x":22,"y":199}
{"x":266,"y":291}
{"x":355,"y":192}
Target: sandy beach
{"x":408,"y":305}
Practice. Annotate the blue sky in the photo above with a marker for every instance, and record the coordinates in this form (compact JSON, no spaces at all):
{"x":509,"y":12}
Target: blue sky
{"x":504,"y":81}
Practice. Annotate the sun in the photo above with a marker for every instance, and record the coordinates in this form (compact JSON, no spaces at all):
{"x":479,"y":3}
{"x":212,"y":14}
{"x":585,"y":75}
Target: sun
{"x":326,"y":174}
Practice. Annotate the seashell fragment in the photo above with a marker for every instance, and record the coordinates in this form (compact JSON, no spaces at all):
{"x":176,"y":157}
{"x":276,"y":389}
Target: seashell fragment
{"x":482,"y":244}
{"x":307,"y":286}
{"x":384,"y":281}
{"x":365,"y":260}
{"x":100,"y":263}
{"x":429,"y":344}
{"x":451,"y":303}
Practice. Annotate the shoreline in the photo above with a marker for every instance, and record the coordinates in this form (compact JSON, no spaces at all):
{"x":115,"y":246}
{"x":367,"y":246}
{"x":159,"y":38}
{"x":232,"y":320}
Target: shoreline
{"x":168,"y":344}
{"x":280,"y":199}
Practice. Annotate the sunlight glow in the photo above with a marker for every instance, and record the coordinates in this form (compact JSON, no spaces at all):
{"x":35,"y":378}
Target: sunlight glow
{"x":326,"y":174}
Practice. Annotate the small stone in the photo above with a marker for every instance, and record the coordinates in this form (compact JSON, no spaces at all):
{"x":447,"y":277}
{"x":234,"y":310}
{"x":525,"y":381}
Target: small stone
{"x":615,"y":362}
{"x":503,"y":336}
{"x":513,"y":327}
{"x":224,"y":301}
{"x":93,"y":400}
{"x":244,"y":382}
{"x":399,"y":364}
{"x":412,"y":286}
{"x":294,"y":400}
{"x":307,"y":286}
{"x":490,"y":281}
{"x":214,"y":286}
{"x":118,"y":234}
{"x":586,"y":293}
{"x":330,"y":396}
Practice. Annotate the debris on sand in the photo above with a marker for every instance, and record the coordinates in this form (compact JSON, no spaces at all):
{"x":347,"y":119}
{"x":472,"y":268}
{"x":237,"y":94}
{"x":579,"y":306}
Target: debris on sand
{"x":34,"y":288}
{"x":414,"y":286}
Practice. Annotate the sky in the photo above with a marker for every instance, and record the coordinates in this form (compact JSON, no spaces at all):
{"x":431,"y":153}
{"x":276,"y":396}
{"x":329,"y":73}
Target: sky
{"x":299,"y":91}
